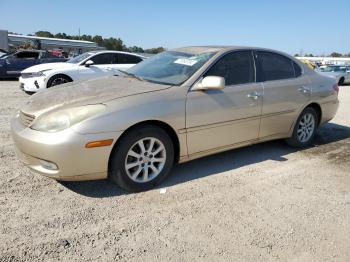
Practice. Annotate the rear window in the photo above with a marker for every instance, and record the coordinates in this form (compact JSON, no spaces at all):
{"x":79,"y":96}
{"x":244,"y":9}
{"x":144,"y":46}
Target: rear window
{"x":274,"y":66}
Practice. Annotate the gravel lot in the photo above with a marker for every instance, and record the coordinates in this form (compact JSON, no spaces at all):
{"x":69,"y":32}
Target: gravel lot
{"x":266,"y":202}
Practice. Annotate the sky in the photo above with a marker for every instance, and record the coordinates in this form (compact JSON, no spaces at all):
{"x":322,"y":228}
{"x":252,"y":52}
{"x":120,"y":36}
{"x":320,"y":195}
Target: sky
{"x":293,"y":26}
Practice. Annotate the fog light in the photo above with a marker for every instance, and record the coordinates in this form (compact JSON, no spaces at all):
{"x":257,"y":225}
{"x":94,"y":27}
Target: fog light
{"x":36,"y":84}
{"x":48,"y":165}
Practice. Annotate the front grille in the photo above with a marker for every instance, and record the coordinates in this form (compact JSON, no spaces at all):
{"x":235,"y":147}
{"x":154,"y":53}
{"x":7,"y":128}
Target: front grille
{"x":26,"y":119}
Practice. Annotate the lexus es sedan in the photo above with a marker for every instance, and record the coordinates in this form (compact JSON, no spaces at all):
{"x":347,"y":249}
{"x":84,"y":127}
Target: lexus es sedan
{"x":89,"y":65}
{"x":177,"y":106}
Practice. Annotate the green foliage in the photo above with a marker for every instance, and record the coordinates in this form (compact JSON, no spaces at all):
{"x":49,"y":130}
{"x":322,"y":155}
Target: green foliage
{"x":110,"y":43}
{"x":335,"y":54}
{"x":155,"y":50}
{"x":44,"y":34}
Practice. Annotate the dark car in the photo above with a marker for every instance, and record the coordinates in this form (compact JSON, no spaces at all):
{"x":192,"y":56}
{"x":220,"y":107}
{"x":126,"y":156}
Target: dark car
{"x":11,"y":65}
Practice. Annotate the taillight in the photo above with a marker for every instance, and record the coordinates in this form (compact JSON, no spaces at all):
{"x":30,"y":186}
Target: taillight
{"x":336,"y":88}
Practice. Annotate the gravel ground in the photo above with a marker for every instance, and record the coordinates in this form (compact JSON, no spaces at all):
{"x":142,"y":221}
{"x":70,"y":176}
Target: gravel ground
{"x":266,"y":202}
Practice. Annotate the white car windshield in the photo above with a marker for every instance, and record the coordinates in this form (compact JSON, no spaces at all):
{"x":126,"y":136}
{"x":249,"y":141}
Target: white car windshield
{"x":170,"y":68}
{"x":79,"y":58}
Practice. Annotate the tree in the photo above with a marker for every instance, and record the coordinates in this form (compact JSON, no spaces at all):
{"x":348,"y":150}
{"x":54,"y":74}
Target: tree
{"x":296,"y":55}
{"x":98,"y":39}
{"x":155,"y":50}
{"x":335,"y":54}
{"x":136,"y":49}
{"x":44,"y":34}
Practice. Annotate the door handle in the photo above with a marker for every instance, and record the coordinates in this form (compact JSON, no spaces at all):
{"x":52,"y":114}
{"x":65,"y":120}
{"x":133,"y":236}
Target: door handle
{"x":304,"y":90}
{"x":254,"y":95}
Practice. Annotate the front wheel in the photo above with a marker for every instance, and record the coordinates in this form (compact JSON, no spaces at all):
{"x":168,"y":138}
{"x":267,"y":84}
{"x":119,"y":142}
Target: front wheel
{"x":304,"y":129}
{"x":341,"y":81}
{"x":58,"y":80}
{"x":142,"y":159}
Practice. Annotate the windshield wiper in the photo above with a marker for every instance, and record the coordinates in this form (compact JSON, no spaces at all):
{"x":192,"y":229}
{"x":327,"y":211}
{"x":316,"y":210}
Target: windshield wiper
{"x":130,"y":74}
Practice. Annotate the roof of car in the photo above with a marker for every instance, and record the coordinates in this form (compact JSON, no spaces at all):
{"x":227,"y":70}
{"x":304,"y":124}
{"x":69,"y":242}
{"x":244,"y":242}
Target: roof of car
{"x":215,"y":48}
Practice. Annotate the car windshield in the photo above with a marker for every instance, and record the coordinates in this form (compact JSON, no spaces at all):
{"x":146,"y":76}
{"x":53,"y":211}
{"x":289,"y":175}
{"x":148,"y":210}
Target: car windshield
{"x":170,"y":67}
{"x":79,"y":58}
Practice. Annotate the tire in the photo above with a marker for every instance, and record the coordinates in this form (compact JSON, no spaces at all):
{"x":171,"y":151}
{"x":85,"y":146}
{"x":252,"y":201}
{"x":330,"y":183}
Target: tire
{"x":297,"y":139}
{"x":341,"y":81}
{"x":58,"y":80}
{"x":129,"y":164}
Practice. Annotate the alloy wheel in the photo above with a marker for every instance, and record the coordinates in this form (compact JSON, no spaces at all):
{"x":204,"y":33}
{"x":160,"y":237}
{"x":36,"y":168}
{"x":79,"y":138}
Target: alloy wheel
{"x":306,"y":127}
{"x":145,"y":160}
{"x":59,"y":81}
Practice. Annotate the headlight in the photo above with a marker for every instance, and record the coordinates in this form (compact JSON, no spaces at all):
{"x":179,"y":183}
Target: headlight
{"x":62,"y":119}
{"x":34,"y":74}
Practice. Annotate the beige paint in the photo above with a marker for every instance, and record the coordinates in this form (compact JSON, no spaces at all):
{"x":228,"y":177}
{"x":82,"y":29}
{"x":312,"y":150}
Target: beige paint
{"x":205,"y":122}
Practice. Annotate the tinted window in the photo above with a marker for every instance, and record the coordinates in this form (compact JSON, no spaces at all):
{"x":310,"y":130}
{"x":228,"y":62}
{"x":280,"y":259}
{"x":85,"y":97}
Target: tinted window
{"x":297,"y":69}
{"x":236,"y":68}
{"x":27,"y":55}
{"x":274,"y":66}
{"x":102,"y":59}
{"x":128,"y":59}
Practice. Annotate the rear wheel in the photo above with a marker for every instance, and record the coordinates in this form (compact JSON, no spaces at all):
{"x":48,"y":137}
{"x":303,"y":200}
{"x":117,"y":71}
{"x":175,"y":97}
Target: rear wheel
{"x":58,"y":80}
{"x":304,"y":129}
{"x":142,"y":159}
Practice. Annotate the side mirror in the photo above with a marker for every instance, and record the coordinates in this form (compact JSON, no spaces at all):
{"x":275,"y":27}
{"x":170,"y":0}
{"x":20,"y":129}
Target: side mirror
{"x":210,"y":82}
{"x":89,"y":63}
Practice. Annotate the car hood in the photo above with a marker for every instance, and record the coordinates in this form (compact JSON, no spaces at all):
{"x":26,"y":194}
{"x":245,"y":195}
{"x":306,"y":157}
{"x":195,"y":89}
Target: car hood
{"x":93,"y":91}
{"x":48,"y":66}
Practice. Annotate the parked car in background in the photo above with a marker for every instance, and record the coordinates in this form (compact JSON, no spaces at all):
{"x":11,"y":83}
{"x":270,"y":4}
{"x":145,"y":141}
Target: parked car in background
{"x":85,"y":66}
{"x":339,"y":72}
{"x":173,"y":107}
{"x":2,"y":53}
{"x":11,"y":65}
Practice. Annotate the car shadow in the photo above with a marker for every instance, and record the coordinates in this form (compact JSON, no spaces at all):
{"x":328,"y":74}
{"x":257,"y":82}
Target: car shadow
{"x":206,"y":166}
{"x":9,"y":79}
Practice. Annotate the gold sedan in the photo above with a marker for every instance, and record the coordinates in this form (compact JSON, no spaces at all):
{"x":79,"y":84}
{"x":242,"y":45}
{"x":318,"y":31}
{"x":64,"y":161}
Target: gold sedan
{"x":174,"y":107}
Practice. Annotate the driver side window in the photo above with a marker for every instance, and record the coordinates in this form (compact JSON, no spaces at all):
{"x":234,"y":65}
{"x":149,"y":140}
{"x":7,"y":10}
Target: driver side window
{"x":27,"y":55}
{"x":103,"y":59}
{"x":236,"y":67}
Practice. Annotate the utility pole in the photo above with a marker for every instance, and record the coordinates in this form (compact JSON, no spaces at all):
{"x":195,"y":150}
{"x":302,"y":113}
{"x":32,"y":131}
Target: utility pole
{"x":79,"y":32}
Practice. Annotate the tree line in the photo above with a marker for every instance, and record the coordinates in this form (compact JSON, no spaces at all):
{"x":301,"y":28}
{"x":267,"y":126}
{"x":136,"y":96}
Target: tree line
{"x":333,"y":54}
{"x":110,"y":43}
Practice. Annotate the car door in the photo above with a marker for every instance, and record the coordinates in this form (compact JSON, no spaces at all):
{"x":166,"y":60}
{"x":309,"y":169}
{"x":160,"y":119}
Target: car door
{"x":18,"y":62}
{"x":222,"y":118}
{"x":286,"y":91}
{"x":102,"y":67}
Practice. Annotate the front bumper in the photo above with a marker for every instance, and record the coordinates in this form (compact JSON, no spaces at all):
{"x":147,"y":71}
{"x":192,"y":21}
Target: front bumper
{"x":65,"y":149}
{"x":33,"y":84}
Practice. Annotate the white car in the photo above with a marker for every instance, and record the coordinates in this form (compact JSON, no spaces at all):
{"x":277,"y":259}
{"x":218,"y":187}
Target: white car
{"x":340,"y":72}
{"x":85,"y":66}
